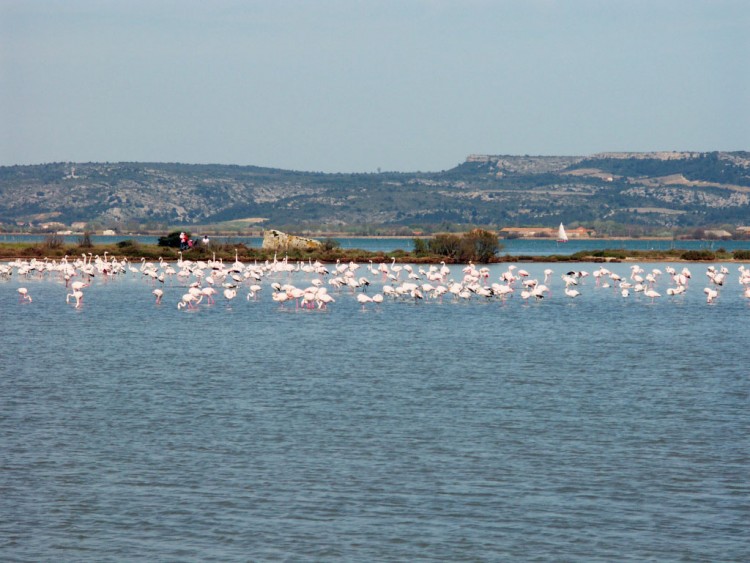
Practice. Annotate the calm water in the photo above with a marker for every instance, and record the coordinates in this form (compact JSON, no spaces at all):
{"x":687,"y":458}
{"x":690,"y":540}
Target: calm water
{"x":589,"y":429}
{"x":512,"y":247}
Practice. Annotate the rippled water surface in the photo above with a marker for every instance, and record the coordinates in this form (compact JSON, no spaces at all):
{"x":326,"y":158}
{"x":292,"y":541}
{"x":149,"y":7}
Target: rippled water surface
{"x":596,"y":428}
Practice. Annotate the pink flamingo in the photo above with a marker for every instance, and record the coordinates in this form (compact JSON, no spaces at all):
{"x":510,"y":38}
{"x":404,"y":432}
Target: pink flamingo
{"x":209,"y":293}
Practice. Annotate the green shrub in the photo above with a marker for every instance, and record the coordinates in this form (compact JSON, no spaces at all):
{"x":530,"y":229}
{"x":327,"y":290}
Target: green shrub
{"x":445,"y":244}
{"x":698,"y":255}
{"x":330,"y":244}
{"x":421,"y":247}
{"x":741,"y":254}
{"x":479,"y":245}
{"x":128,"y":244}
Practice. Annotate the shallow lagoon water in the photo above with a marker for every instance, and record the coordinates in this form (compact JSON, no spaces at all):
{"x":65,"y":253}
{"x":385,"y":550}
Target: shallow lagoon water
{"x":595,"y":429}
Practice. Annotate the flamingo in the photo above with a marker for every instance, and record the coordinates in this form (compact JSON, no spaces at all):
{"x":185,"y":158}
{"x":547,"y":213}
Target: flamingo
{"x":573,"y":293}
{"x":363,"y":299}
{"x":159,"y":294}
{"x":78,"y":285}
{"x":711,"y":294}
{"x":209,"y":293}
{"x":77,"y":295}
{"x":653,"y":294}
{"x":539,"y":290}
{"x":396,"y":269}
{"x":324,"y":299}
{"x":189,"y":301}
{"x":23,"y":295}
{"x":444,"y":270}
{"x":309,"y":298}
{"x":501,"y":290}
{"x":254,"y":289}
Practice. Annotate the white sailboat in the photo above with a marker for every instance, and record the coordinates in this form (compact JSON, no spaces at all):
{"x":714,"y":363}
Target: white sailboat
{"x":562,"y":236}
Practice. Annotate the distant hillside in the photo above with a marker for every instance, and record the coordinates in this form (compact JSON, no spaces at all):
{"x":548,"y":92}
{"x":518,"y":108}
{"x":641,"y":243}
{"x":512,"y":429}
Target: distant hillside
{"x":672,"y":189}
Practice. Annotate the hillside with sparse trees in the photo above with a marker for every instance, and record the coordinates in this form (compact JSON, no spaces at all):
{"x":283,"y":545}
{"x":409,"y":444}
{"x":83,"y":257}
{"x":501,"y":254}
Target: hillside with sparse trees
{"x":605,"y":191}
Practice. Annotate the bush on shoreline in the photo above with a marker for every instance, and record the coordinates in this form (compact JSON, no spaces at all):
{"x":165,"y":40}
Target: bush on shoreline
{"x":698,"y":255}
{"x":478,"y":245}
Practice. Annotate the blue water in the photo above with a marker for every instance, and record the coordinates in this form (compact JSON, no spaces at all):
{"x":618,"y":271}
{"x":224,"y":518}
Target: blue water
{"x":590,"y":429}
{"x":512,"y":247}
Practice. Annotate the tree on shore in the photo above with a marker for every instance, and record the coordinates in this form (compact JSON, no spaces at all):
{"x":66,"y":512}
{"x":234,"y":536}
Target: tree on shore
{"x":477,"y":245}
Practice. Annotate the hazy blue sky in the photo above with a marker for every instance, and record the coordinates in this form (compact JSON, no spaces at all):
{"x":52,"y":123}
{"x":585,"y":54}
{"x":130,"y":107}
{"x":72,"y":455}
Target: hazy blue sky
{"x":347,"y":85}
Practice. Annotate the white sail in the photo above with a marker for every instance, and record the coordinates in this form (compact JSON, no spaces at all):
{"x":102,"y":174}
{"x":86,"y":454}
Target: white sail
{"x":562,"y":236}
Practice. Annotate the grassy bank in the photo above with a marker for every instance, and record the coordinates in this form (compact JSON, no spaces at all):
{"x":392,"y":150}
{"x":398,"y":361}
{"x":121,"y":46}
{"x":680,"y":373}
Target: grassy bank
{"x":135,"y":251}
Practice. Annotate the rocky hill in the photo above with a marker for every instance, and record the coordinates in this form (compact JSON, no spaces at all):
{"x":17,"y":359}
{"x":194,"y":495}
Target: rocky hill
{"x":665,"y":188}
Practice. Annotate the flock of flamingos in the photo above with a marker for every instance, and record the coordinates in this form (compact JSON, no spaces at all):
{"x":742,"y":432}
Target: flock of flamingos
{"x":325,"y":284}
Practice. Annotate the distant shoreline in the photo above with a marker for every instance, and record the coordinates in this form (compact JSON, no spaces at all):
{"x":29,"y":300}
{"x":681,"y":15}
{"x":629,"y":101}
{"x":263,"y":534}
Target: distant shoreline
{"x":382,"y":237}
{"x":135,"y":250}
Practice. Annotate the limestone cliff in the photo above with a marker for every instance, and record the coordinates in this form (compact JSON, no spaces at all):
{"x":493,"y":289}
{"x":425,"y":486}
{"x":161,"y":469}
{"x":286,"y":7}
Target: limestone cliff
{"x":276,"y":240}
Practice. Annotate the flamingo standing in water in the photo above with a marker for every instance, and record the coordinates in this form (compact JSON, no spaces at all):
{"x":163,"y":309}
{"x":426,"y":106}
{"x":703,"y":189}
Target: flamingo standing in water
{"x":23,"y":295}
{"x":280,"y":297}
{"x":653,"y":294}
{"x":572,"y":292}
{"x":159,"y":294}
{"x":324,"y":299}
{"x":189,"y":301}
{"x":711,"y":294}
{"x":78,"y":285}
{"x":364,"y":299}
{"x":254,"y":289}
{"x":209,"y":292}
{"x":77,"y":295}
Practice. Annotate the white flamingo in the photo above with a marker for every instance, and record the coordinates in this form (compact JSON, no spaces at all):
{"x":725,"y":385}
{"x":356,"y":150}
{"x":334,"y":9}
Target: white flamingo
{"x":364,"y":299}
{"x":189,"y":301}
{"x":209,"y":293}
{"x":711,"y":294}
{"x":77,"y":295}
{"x":573,"y":293}
{"x":254,"y":289}
{"x":651,"y":293}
